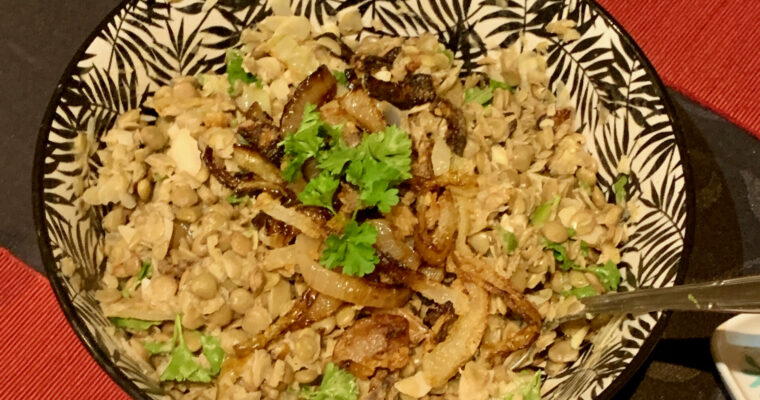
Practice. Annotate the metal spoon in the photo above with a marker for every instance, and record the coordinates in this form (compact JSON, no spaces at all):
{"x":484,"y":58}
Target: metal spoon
{"x":737,"y":295}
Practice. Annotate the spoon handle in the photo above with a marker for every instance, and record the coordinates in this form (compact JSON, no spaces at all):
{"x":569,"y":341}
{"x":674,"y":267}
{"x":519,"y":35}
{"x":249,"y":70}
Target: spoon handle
{"x":737,"y":295}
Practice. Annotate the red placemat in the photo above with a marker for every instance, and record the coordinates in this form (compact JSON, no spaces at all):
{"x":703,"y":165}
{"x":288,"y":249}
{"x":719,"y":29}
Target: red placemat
{"x":41,"y":357}
{"x":708,"y":50}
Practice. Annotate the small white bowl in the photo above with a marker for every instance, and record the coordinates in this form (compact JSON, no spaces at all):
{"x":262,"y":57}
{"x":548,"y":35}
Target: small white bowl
{"x":736,"y":350}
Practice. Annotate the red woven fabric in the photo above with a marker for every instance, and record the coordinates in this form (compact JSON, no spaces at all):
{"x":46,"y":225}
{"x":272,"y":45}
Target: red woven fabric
{"x":41,"y":357}
{"x":708,"y":50}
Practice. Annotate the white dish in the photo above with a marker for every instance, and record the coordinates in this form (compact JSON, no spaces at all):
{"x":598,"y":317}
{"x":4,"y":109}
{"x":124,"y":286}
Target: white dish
{"x":735,"y":348}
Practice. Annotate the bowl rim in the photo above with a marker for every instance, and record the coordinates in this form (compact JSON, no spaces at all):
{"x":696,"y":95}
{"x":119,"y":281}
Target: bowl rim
{"x":115,"y":373}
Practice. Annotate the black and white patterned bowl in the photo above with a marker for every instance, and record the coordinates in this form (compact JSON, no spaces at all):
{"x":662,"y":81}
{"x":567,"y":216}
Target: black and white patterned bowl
{"x":622,"y":109}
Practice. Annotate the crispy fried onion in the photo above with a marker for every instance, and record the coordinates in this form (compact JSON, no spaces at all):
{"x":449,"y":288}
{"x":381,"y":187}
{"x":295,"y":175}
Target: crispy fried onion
{"x":443,"y":362}
{"x":378,"y":341}
{"x":456,"y":132}
{"x":351,"y":289}
{"x":291,"y":216}
{"x":309,"y":308}
{"x":363,"y":109}
{"x":262,"y":134}
{"x":245,"y":183}
{"x":414,"y":90}
{"x":436,"y":231}
{"x":250,"y":160}
{"x":473,"y":267}
{"x":318,"y":88}
{"x":394,"y":248}
{"x":370,"y":63}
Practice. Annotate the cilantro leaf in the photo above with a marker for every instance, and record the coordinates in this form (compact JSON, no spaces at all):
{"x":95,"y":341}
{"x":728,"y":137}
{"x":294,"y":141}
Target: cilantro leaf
{"x":308,"y":141}
{"x":212,"y":350}
{"x":494,"y":84}
{"x":334,"y":159}
{"x":482,"y":96}
{"x":393,"y":148}
{"x":508,"y":240}
{"x":353,"y":250}
{"x":157,"y":347}
{"x":586,"y":291}
{"x":619,"y":188}
{"x":542,"y":213}
{"x":337,"y":384}
{"x":235,"y":199}
{"x":447,"y":52}
{"x":608,"y":274}
{"x":560,"y":255}
{"x":320,"y":190}
{"x":570,"y":231}
{"x":340,"y":76}
{"x":132,"y":324}
{"x":235,"y":71}
{"x":382,"y":160}
{"x":183,"y":365}
{"x":584,"y":248}
{"x":143,"y":273}
{"x":303,"y":144}
{"x":374,"y":180}
{"x":528,"y":388}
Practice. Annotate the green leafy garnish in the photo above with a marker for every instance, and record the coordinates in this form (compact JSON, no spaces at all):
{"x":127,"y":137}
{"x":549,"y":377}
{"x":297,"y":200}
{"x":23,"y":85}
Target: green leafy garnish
{"x":336,"y":157}
{"x":183,"y":365}
{"x":543,"y":211}
{"x":570,"y":232}
{"x":132,"y":324}
{"x":586,"y":291}
{"x":529,"y":389}
{"x":340,"y":76}
{"x":560,"y":255}
{"x":619,"y":188}
{"x":381,"y":161}
{"x":235,"y":71}
{"x":608,"y":274}
{"x":320,"y":190}
{"x":584,"y":248}
{"x":235,"y":199}
{"x":306,"y":142}
{"x":352,"y":250}
{"x":508,"y":240}
{"x":337,"y":384}
{"x":482,"y":96}
{"x":212,"y":349}
{"x":494,"y":84}
{"x":447,"y":52}
{"x":145,"y":272}
{"x":154,"y":348}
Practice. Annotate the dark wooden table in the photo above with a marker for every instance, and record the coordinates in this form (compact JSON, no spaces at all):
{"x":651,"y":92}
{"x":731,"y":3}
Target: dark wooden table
{"x":38,"y":37}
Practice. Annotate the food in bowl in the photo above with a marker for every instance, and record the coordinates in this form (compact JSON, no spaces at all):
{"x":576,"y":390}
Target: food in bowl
{"x":332,"y":218}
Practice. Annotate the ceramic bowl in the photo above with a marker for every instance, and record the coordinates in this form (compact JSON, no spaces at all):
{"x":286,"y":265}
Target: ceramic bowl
{"x":622,"y":110}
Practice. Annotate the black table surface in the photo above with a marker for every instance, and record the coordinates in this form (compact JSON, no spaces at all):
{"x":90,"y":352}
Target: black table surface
{"x":39,"y":37}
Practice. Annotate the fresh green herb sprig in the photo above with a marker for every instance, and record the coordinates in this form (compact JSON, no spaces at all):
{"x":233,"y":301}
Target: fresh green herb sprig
{"x":484,"y":95}
{"x":337,"y":384}
{"x":381,"y":161}
{"x":235,"y":71}
{"x":183,"y":365}
{"x":132,"y":324}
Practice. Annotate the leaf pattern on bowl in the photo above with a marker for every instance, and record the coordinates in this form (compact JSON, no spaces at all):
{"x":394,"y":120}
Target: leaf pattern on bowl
{"x":143,"y":44}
